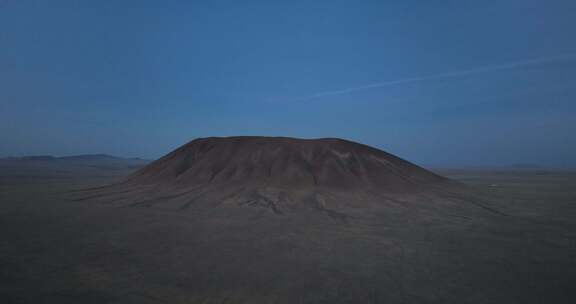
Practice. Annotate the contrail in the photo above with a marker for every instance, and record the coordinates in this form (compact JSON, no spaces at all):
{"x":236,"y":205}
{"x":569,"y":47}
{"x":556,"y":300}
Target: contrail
{"x":455,"y":74}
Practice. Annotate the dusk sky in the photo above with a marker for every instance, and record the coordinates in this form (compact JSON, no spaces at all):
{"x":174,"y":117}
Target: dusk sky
{"x":437,"y":82}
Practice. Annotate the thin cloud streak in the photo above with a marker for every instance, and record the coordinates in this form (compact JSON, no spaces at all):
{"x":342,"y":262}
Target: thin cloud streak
{"x":455,"y":74}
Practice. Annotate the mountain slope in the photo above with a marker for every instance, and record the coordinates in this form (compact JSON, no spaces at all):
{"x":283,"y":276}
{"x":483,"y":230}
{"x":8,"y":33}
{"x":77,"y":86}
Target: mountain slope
{"x":339,"y":178}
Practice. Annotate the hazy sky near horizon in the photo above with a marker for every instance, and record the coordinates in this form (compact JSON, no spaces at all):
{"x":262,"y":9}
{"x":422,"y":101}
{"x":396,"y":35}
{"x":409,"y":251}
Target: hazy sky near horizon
{"x":439,"y":82}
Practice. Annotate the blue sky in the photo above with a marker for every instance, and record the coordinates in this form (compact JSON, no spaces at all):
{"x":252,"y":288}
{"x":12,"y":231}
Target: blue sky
{"x":139,"y":78}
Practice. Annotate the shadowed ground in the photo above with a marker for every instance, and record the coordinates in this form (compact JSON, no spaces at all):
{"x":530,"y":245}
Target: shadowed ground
{"x":55,"y":250}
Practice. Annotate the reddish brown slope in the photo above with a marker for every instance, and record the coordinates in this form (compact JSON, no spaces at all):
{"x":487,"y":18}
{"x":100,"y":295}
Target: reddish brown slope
{"x":280,"y":175}
{"x":285,"y":162}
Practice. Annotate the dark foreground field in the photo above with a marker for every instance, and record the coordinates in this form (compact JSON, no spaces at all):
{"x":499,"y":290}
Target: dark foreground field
{"x":55,"y":250}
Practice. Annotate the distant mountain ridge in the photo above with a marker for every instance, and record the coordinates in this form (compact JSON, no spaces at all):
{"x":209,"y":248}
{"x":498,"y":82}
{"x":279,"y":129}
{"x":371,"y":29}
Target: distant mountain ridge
{"x":45,"y":167}
{"x":80,"y":157}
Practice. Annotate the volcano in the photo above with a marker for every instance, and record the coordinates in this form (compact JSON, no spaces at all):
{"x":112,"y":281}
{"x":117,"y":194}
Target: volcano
{"x":286,"y":220}
{"x":282,"y":175}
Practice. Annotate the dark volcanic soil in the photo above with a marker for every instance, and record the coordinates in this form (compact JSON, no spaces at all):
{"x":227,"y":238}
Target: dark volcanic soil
{"x":287,"y":163}
{"x":394,"y":234}
{"x":339,"y":178}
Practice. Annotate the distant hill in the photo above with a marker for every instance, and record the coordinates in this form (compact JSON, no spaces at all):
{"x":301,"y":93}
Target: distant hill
{"x":81,"y":157}
{"x":37,"y":157}
{"x":40,"y":167}
{"x":90,"y":157}
{"x":525,"y":166}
